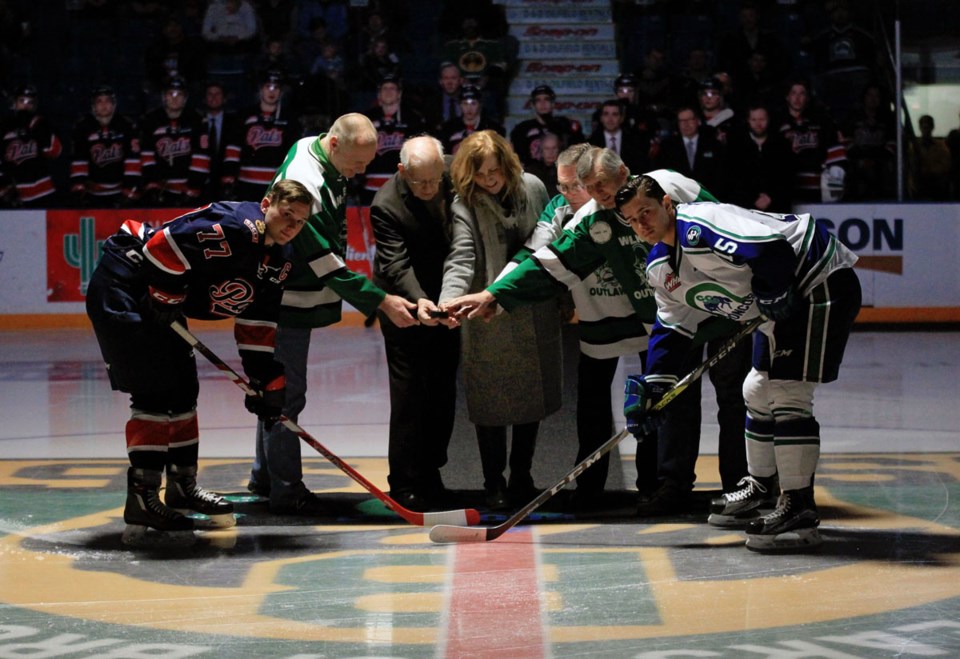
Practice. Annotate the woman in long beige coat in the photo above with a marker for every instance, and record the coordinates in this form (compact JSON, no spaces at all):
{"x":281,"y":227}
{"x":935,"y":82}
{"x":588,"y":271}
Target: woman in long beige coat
{"x":511,"y":364}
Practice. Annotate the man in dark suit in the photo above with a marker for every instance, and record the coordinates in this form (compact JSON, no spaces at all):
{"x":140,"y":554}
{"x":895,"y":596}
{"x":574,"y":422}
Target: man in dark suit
{"x":695,"y":152}
{"x":221,"y":125}
{"x":412,"y":224}
{"x":614,"y":134}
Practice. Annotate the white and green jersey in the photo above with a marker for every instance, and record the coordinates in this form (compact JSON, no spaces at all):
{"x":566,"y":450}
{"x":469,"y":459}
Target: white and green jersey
{"x":597,"y":255}
{"x":320,"y":280}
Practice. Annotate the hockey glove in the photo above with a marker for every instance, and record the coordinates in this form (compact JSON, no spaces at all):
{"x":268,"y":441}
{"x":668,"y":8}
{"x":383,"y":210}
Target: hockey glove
{"x":777,"y":306}
{"x":161,"y":313}
{"x":639,"y":397}
{"x":269,"y":401}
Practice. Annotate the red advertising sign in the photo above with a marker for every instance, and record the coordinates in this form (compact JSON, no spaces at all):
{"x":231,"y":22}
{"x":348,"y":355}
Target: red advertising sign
{"x":75,"y":240}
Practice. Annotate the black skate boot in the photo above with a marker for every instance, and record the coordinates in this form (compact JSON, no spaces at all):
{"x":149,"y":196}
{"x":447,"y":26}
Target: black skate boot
{"x":792,"y":526}
{"x":738,"y":508}
{"x":149,"y":521}
{"x":184,"y":495}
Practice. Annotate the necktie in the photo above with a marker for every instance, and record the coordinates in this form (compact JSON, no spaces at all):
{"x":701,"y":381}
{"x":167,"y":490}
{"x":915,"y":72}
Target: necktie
{"x":691,"y":153}
{"x":613,"y":144}
{"x":212,"y":130}
{"x":451,"y":108}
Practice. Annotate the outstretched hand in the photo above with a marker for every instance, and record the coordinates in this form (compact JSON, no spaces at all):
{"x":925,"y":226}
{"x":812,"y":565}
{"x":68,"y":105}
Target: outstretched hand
{"x":475,"y":305}
{"x":400,"y":312}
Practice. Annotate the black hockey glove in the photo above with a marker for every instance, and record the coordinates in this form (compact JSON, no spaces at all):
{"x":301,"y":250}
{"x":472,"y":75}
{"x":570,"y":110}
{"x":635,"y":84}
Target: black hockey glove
{"x":638,"y":397}
{"x":155,"y":311}
{"x":269,"y":401}
{"x":777,"y":306}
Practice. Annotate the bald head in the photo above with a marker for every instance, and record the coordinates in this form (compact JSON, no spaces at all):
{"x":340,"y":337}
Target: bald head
{"x":350,"y":144}
{"x":421,"y":166}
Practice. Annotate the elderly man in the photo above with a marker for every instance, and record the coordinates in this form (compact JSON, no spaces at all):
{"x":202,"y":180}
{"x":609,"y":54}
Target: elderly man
{"x":598,"y":237}
{"x":412,"y":224}
{"x":318,"y":283}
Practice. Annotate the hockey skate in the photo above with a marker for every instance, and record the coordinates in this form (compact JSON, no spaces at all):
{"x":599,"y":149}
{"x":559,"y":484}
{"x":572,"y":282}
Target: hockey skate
{"x":185,"y":496}
{"x":792,"y":526}
{"x":738,"y":508}
{"x":150,"y":523}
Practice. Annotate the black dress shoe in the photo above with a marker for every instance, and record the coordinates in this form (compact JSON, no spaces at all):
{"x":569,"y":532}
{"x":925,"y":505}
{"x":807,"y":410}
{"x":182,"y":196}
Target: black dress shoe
{"x":306,"y":506}
{"x":411,"y":501}
{"x":497,"y":498}
{"x":668,"y":499}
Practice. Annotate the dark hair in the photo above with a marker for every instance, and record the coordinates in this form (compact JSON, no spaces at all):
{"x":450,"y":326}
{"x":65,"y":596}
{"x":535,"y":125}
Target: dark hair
{"x":290,"y":191}
{"x":637,"y":185}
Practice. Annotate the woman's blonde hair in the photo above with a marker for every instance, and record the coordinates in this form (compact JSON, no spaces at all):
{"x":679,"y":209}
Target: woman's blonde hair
{"x":469,"y":158}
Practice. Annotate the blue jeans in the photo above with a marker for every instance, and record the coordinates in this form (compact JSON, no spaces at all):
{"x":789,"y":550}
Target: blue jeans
{"x":277,"y":466}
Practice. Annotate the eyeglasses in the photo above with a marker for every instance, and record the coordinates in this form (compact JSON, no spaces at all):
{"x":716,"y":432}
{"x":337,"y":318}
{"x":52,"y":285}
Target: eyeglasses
{"x":563,"y":188}
{"x":425,"y":183}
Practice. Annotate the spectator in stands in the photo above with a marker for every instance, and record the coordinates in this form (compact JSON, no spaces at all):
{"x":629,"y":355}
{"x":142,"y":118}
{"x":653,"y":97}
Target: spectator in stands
{"x":326,"y":86}
{"x":471,"y":120}
{"x":933,"y":160}
{"x":545,"y":168}
{"x":174,"y":151}
{"x":172,"y":55}
{"x":870,"y":139}
{"x":276,"y":57}
{"x":230,"y":27}
{"x":760,"y":159}
{"x":28,"y":146}
{"x":378,"y":63}
{"x":221,"y":127}
{"x":687,"y":86}
{"x":264,"y":134}
{"x":482,"y":63}
{"x":655,"y":86}
{"x":846,"y":56}
{"x":526,"y":135}
{"x":819,"y":157}
{"x":444,"y":103}
{"x":760,"y":85}
{"x":695,"y":153}
{"x":105,"y":170}
{"x":395,"y":122}
{"x":613,"y":134}
{"x":736,"y":48}
{"x":333,"y":13}
{"x":715,"y":112}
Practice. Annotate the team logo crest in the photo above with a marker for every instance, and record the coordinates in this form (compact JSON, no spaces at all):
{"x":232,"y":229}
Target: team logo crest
{"x":601,"y":232}
{"x":718,"y":301}
{"x":693,"y":236}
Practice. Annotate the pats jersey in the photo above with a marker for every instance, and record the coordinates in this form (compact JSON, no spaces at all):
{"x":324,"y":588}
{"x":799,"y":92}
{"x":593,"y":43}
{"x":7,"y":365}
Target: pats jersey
{"x":392,"y":131}
{"x":527,"y":135}
{"x":28,"y":143}
{"x":174,"y":153}
{"x":815,"y":141}
{"x":723,"y":255}
{"x":106,"y":159}
{"x":253,"y":154}
{"x":215,"y":263}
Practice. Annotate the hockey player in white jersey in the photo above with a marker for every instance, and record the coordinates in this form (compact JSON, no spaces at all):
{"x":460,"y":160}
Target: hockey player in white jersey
{"x":722,"y":260}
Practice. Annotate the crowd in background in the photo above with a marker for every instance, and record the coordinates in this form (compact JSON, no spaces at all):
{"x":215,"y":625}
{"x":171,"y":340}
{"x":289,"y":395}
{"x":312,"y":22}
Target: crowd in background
{"x":222,"y":88}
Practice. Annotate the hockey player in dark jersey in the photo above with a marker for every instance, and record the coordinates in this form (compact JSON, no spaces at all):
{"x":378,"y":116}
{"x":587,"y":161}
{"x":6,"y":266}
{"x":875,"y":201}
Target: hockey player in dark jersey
{"x":267,"y":131}
{"x":28,"y":144}
{"x":526,"y":135}
{"x":395,"y":122}
{"x":105,"y":169}
{"x":471,"y":120}
{"x":174,"y":151}
{"x":223,"y":260}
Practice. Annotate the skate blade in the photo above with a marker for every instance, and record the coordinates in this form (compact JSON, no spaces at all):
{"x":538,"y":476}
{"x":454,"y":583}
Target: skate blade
{"x":790,"y":541}
{"x":732,"y":521}
{"x":201,"y":521}
{"x":135,"y":535}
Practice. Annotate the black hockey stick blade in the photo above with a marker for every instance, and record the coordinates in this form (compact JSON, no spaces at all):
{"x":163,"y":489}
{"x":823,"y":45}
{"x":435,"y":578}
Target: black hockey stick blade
{"x":453,"y":534}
